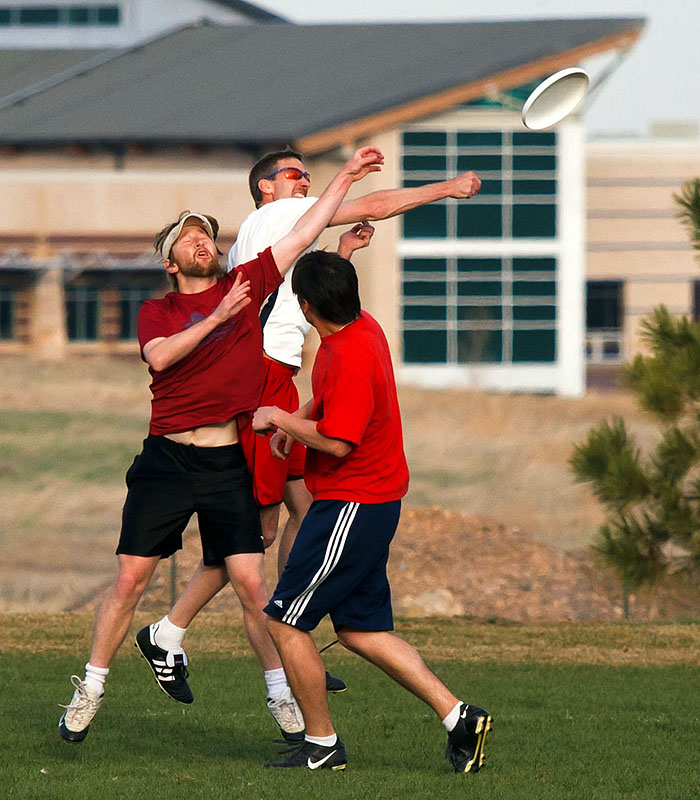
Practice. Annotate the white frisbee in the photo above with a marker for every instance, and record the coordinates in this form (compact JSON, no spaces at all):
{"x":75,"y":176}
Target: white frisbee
{"x":555,"y":98}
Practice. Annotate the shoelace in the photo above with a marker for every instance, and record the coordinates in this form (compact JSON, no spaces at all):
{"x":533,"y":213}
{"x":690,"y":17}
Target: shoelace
{"x":289,"y":714}
{"x":83,"y":703}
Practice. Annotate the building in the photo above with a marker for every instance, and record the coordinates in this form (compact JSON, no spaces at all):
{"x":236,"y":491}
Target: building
{"x":83,"y":24}
{"x":98,"y":153}
{"x":638,"y":253}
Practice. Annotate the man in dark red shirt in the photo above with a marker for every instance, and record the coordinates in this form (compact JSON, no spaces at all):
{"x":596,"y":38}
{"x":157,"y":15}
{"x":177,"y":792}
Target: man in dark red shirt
{"x":357,"y":473}
{"x":203,"y":346}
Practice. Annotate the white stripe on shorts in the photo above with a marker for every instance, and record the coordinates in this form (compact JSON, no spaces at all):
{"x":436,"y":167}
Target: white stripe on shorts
{"x":334,"y":550}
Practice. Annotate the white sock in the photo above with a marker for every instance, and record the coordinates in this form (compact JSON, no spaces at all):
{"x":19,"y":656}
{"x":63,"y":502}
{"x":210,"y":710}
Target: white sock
{"x":452,"y":718}
{"x":95,"y":677}
{"x":324,"y":741}
{"x":276,"y":682}
{"x":168,"y":636}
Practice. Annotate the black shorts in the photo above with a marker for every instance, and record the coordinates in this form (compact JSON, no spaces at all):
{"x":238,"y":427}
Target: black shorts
{"x":168,"y":482}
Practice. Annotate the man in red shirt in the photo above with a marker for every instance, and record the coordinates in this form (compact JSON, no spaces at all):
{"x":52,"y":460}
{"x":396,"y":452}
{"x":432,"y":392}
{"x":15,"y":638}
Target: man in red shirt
{"x":357,"y":474}
{"x":203,"y":346}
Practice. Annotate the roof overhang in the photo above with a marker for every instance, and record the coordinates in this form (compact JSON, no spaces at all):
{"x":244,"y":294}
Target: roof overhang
{"x":349,"y":132}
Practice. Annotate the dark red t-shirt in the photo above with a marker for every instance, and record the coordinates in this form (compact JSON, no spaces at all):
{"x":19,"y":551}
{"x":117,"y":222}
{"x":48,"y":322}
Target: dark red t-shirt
{"x":223,"y":375}
{"x":355,"y":400}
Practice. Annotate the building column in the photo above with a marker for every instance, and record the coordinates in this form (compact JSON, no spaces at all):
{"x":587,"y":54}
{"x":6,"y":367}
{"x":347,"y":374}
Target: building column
{"x":49,"y":338}
{"x":571,"y":285}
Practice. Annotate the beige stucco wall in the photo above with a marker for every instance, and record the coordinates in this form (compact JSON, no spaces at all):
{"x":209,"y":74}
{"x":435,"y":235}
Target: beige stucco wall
{"x":63,"y":195}
{"x":633,"y":233}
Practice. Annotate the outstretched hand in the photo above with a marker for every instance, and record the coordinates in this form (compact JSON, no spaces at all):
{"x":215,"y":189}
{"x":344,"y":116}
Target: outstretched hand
{"x":465,"y":185}
{"x":364,"y":161}
{"x":357,"y":237}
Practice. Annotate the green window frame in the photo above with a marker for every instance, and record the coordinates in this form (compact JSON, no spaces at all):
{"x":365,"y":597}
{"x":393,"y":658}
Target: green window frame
{"x":518,"y":198}
{"x":47,"y":15}
{"x":131,"y":298}
{"x":7,"y":312}
{"x":83,"y":313}
{"x":481,"y":309}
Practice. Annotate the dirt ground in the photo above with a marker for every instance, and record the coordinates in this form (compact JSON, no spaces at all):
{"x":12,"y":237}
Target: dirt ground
{"x":493,"y":526}
{"x":448,"y":563}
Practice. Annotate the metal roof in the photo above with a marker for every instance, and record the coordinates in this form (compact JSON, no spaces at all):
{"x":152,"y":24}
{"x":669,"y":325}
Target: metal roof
{"x":257,"y":84}
{"x":20,"y":68}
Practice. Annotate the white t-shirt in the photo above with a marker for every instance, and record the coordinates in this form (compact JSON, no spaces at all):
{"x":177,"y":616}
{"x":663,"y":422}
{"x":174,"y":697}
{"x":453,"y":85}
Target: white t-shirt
{"x":286,"y":327}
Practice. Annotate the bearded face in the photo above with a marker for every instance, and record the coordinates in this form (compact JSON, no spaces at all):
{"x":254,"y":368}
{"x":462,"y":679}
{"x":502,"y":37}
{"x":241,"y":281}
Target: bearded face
{"x":194,"y":253}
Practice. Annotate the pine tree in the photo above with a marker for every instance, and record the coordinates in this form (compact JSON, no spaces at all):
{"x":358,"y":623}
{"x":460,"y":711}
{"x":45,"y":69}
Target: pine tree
{"x":653,"y":500}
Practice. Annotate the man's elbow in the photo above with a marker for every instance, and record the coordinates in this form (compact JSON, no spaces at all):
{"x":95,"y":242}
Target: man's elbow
{"x":340,"y":448}
{"x":376,"y":210}
{"x":155,"y":361}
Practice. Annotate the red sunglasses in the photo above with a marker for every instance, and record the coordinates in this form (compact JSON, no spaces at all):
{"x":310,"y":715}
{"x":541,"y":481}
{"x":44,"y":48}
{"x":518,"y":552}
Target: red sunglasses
{"x":290,"y":173}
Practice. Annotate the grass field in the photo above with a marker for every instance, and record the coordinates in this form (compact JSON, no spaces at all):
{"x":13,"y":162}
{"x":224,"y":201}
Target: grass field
{"x":69,"y":431}
{"x":580,"y":711}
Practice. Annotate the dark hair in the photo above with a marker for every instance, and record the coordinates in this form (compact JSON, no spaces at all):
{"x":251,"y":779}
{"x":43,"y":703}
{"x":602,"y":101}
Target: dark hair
{"x":328,"y":283}
{"x":265,"y":166}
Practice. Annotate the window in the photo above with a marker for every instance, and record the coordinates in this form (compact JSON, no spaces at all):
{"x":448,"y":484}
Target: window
{"x":519,"y":183}
{"x":7,"y":312}
{"x":696,"y":301}
{"x":488,"y":309}
{"x":604,"y":310}
{"x":130,"y":301}
{"x":82,"y":312}
{"x":54,"y":15}
{"x":603,"y":305}
{"x":479,"y":310}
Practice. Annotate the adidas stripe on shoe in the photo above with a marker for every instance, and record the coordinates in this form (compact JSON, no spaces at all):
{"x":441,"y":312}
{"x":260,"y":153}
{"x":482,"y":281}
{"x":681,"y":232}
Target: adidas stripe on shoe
{"x":169,"y":667}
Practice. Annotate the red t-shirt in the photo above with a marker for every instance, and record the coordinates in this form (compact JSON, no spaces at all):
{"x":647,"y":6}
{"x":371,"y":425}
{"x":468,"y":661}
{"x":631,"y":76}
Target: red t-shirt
{"x":223,"y":375}
{"x":355,"y":400}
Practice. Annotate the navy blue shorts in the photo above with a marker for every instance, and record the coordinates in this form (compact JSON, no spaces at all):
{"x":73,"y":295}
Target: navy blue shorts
{"x":337,"y":566}
{"x":169,"y":482}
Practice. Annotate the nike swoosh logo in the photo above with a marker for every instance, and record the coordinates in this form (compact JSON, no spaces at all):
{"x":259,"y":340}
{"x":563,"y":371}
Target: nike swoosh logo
{"x":316,"y":764}
{"x":463,"y":715}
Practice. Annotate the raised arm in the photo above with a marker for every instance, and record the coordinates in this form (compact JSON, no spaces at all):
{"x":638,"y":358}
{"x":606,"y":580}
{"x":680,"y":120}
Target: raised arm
{"x":317,"y":218}
{"x":390,"y":202}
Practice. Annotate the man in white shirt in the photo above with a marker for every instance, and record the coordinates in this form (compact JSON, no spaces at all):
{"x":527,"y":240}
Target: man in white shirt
{"x":279,"y":185}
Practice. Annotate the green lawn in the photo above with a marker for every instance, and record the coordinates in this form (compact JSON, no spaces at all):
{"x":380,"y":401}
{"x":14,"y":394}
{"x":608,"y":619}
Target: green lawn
{"x":560,"y":731}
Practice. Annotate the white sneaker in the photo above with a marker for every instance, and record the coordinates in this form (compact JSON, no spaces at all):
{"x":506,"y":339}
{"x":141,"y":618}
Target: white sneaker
{"x":287,"y":715}
{"x":75,"y":722}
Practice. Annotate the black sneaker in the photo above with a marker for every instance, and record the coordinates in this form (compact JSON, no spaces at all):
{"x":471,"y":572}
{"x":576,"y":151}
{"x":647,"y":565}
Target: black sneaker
{"x":465,"y":742}
{"x":335,"y":685}
{"x":315,"y":756}
{"x":169,"y":666}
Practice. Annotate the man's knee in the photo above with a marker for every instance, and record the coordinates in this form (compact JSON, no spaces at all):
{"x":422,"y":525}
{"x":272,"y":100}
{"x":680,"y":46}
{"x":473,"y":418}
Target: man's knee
{"x":350,"y":638}
{"x":297,"y":500}
{"x":132,"y":581}
{"x":269,"y":520}
{"x":251,"y":590}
